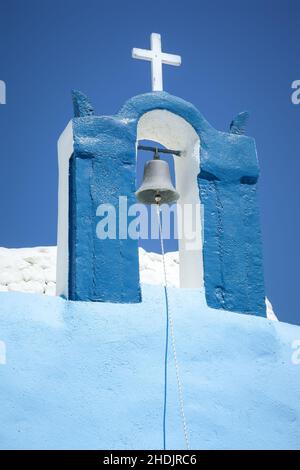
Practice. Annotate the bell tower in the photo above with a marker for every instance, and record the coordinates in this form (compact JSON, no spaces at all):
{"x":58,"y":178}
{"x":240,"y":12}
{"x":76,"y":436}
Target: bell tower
{"x":216,"y":178}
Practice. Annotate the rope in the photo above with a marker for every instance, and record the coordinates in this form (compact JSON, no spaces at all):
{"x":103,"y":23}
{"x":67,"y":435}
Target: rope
{"x":170,"y":326}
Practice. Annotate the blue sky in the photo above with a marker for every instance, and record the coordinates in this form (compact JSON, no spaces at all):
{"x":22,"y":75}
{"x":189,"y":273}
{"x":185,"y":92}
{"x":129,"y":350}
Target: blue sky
{"x":237,"y":55}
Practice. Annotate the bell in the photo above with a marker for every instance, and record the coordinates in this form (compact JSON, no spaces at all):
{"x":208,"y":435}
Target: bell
{"x":157,"y":186}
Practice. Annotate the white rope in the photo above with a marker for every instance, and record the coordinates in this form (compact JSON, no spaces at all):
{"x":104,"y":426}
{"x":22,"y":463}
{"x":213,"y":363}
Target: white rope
{"x":171,"y":325}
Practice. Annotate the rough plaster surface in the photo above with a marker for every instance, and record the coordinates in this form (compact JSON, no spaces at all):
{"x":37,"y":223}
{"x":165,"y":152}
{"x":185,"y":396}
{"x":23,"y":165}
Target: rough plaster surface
{"x":90,"y":375}
{"x":33,"y":270}
{"x":103,"y":168}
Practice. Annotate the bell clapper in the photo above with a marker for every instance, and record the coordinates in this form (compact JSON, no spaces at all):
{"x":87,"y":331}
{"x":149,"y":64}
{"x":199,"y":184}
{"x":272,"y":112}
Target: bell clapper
{"x":157,"y":199}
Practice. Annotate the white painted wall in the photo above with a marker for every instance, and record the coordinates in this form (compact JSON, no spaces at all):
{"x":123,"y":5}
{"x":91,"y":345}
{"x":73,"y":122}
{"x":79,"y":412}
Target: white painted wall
{"x":175,"y":133}
{"x":65,"y":151}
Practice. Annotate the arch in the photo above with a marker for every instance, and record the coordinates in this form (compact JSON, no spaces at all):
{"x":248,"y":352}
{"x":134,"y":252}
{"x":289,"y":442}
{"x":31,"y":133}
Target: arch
{"x":174,"y":132}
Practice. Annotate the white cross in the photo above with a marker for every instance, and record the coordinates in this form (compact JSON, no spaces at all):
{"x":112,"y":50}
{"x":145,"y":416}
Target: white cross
{"x":157,"y":58}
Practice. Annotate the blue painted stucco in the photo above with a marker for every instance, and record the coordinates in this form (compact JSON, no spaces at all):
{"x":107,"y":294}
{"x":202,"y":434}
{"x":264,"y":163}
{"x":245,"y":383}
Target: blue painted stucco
{"x":102,"y":169}
{"x":81,"y":104}
{"x":88,"y":375}
{"x":105,"y":168}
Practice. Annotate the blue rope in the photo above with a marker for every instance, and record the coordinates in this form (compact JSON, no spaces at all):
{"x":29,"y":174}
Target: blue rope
{"x":167,"y":331}
{"x":166,"y":367}
{"x":169,"y":324}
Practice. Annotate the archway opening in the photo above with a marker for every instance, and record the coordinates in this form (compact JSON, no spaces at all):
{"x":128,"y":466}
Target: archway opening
{"x":174,"y":132}
{"x":151,"y":243}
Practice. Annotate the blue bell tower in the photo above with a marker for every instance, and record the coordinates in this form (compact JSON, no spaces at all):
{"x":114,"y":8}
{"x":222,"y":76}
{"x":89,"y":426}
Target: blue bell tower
{"x":218,"y":174}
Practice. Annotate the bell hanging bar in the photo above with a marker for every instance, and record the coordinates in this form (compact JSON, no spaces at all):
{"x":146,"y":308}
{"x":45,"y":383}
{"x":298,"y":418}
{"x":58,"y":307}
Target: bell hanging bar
{"x":157,"y":151}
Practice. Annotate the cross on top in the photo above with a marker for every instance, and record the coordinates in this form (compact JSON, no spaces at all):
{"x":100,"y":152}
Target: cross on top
{"x":157,"y":58}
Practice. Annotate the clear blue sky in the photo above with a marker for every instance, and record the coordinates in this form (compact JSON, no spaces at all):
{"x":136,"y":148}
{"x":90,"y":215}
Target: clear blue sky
{"x":237,"y":55}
